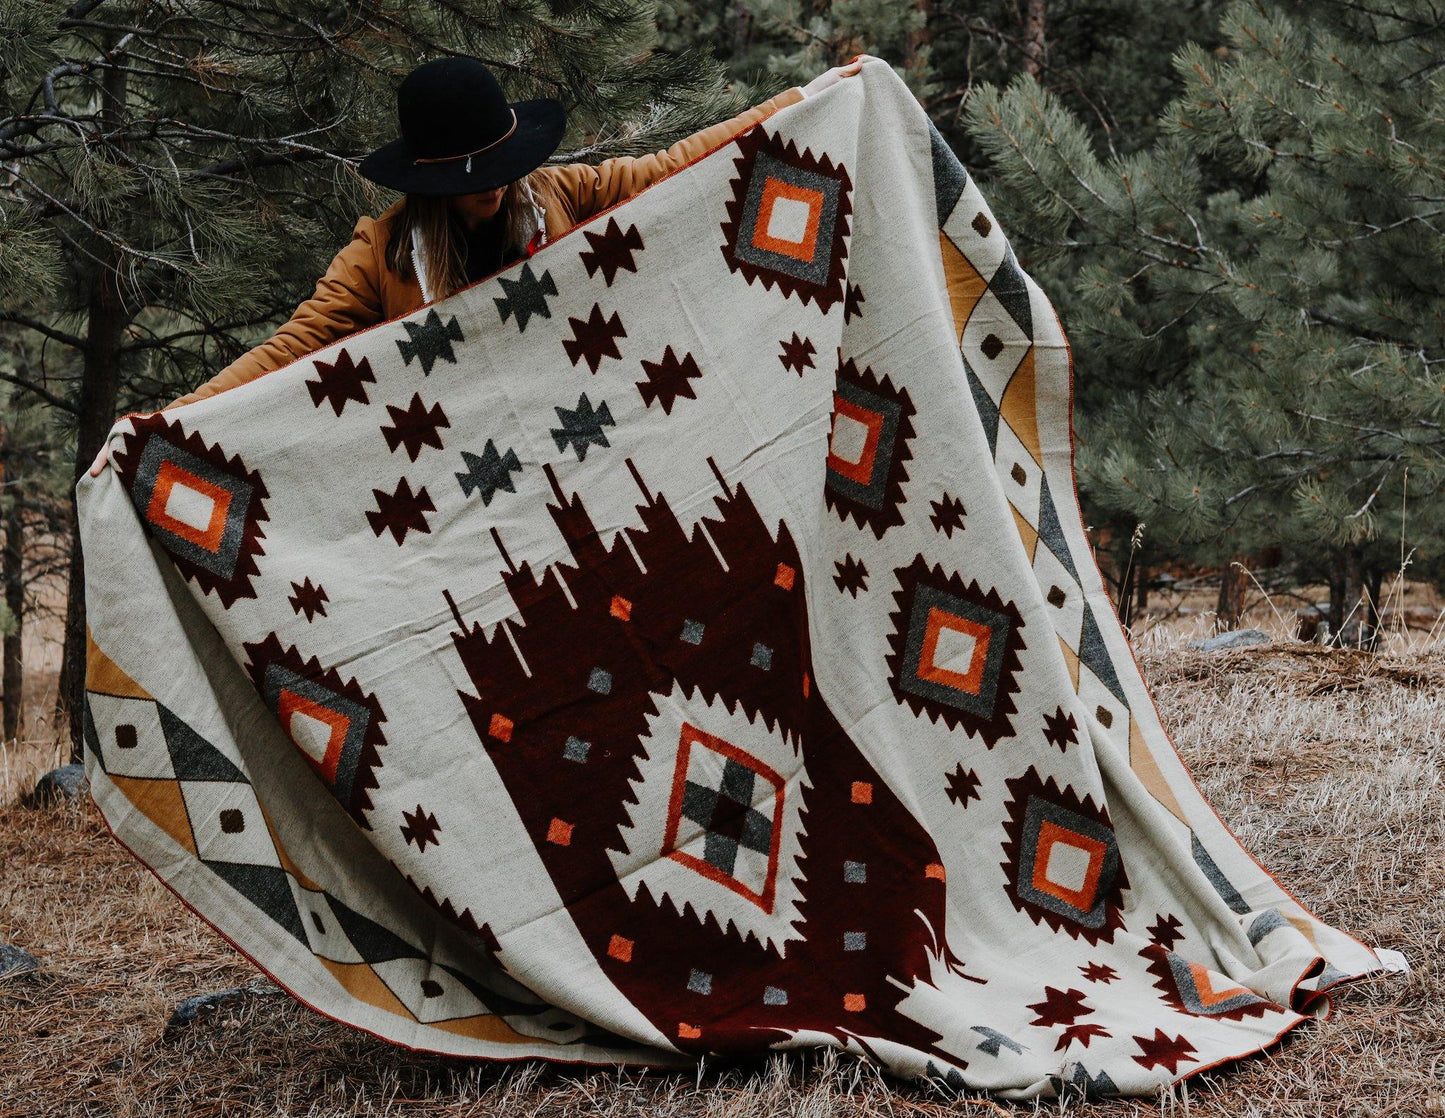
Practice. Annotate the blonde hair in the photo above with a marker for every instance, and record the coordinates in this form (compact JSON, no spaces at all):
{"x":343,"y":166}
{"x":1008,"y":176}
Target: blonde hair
{"x":443,"y":233}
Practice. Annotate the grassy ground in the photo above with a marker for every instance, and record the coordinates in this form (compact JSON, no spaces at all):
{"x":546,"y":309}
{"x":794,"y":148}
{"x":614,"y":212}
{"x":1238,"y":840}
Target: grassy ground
{"x":1328,"y":765}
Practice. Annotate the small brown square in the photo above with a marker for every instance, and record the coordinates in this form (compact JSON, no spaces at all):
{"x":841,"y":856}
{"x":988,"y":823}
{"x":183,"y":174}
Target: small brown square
{"x":431,"y":988}
{"x":232,"y":821}
{"x":1057,"y":597}
{"x":1019,"y":474}
{"x":992,"y":346}
{"x":1105,"y":717}
{"x":981,"y":224}
{"x":125,"y":736}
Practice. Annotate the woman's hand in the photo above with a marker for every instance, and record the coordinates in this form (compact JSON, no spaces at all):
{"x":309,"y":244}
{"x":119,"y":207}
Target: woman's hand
{"x":102,"y":456}
{"x":835,"y":75}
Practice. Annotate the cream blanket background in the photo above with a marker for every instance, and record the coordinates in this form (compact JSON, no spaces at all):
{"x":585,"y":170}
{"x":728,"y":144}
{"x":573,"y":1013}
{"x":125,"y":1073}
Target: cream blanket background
{"x":684,"y":641}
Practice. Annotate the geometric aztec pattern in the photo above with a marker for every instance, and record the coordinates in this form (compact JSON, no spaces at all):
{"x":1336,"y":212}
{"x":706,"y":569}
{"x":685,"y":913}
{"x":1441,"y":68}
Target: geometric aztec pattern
{"x":788,"y":219}
{"x":335,"y":725}
{"x":955,"y":651}
{"x":868,"y":448}
{"x":198,"y":797}
{"x":1063,"y":865}
{"x":716,"y":786}
{"x":205,"y":509}
{"x":752,"y":809}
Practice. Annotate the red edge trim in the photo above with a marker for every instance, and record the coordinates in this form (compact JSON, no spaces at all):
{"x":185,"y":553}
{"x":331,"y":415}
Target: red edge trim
{"x":532,"y":254}
{"x":351,"y":1024}
{"x":1129,"y":644}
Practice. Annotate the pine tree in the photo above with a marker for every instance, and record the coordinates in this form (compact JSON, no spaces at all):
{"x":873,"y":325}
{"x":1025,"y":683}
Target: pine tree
{"x":1255,"y":298}
{"x":178,"y":172}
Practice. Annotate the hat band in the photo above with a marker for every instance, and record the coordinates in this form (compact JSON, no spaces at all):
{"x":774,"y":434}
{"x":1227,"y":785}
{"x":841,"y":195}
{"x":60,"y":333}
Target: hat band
{"x":468,"y":154}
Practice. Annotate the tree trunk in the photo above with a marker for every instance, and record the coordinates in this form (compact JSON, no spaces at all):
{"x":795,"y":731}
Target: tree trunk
{"x":1034,"y":40}
{"x":14,"y":577}
{"x":106,"y":322}
{"x":742,"y":21}
{"x":1349,"y":625}
{"x":1233,"y":582}
{"x":919,"y":36}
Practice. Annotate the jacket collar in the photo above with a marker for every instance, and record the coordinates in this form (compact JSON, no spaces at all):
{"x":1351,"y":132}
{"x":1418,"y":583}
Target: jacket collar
{"x":534,"y":234}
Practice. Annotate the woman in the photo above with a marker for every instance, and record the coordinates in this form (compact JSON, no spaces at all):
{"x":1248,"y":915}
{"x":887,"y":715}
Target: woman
{"x":474,"y":199}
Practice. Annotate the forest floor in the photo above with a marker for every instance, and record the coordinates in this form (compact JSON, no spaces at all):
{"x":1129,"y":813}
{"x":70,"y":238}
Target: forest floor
{"x":1328,"y":764}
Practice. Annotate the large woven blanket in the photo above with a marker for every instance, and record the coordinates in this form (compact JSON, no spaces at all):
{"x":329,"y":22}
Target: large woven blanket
{"x":685,"y":641}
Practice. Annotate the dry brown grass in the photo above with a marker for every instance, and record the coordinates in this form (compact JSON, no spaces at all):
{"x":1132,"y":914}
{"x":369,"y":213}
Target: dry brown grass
{"x":1327,"y":764}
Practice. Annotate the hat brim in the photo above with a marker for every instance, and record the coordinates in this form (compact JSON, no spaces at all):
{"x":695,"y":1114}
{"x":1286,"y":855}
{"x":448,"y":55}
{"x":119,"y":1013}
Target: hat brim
{"x":540,"y":125}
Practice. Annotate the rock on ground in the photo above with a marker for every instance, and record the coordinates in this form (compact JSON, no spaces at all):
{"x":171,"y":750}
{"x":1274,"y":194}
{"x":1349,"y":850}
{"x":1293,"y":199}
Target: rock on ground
{"x":205,"y":1004}
{"x":65,"y":783}
{"x":1238,"y":638}
{"x":13,"y":961}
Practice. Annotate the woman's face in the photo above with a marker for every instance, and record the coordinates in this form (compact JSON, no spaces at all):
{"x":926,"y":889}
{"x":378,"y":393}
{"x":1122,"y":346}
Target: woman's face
{"x":478,"y":207}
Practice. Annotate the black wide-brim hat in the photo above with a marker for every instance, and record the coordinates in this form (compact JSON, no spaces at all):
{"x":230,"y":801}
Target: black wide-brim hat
{"x":460,"y":135}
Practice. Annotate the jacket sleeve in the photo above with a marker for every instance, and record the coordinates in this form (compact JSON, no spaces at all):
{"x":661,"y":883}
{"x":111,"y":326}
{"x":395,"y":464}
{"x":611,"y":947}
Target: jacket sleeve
{"x":347,"y":299}
{"x":587,"y":190}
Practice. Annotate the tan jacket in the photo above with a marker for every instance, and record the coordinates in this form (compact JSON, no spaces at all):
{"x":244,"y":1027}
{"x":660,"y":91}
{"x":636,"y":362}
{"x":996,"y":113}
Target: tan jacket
{"x":359,"y":290}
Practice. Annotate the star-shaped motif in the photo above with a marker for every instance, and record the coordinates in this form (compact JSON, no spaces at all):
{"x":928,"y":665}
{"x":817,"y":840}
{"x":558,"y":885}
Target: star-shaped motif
{"x":963,"y":785}
{"x":421,"y":827}
{"x":994,"y":1041}
{"x":400,"y":512}
{"x":429,"y":341}
{"x":947,"y":516}
{"x":582,"y":426}
{"x":343,"y":380}
{"x":525,"y":296}
{"x":1162,"y":1050}
{"x":668,"y":379}
{"x":1060,"y":729}
{"x":852,"y":303}
{"x":1099,"y":972}
{"x":415,"y":426}
{"x":852,"y":575}
{"x":308,"y":598}
{"x":488,"y":472}
{"x":612,"y":250}
{"x":1060,"y":1007}
{"x":594,"y":338}
{"x":797,"y":353}
{"x":1082,"y":1034}
{"x":1166,"y":931}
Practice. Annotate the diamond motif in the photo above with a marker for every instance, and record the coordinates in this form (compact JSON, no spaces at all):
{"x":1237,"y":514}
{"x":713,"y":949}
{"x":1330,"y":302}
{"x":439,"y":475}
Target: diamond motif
{"x":736,"y":801}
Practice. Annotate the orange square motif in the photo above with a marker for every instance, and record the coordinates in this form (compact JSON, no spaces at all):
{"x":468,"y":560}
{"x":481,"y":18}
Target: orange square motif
{"x":500,"y":727}
{"x":620,"y":948}
{"x":862,"y":792}
{"x":289,"y":703}
{"x":1050,"y":835}
{"x":784,"y":577}
{"x":860,"y":471}
{"x":773,"y":190}
{"x":934,"y":870}
{"x":167,"y":477}
{"x":688,"y":1032}
{"x":855,"y":1003}
{"x":969,"y":681}
{"x":560,"y":832}
{"x":621,"y":608}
